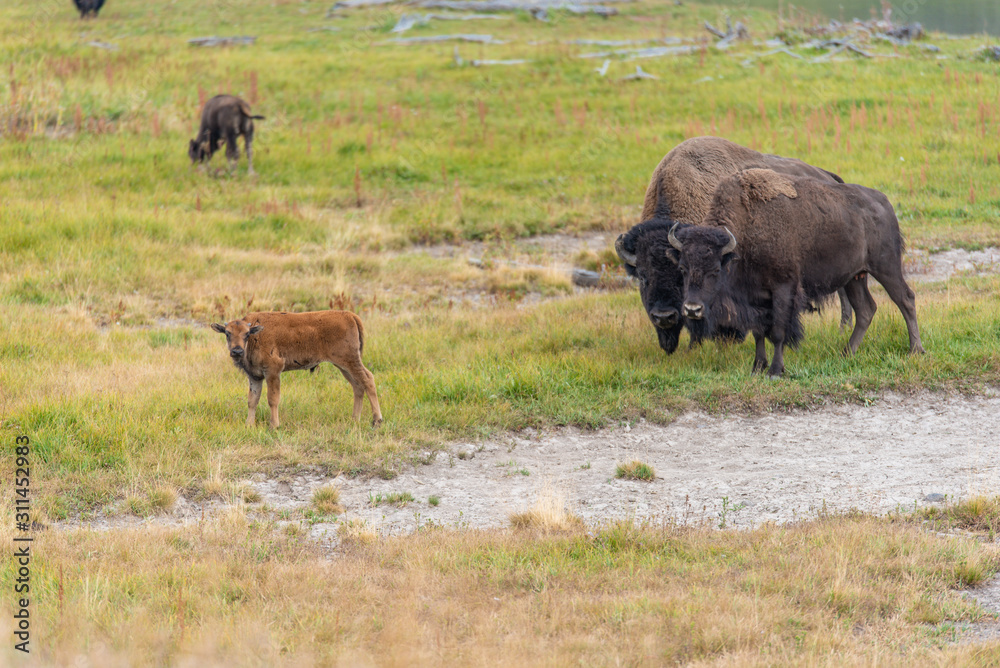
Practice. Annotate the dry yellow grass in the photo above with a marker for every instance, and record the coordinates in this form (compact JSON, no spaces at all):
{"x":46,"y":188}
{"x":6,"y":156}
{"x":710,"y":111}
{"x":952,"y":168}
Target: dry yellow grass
{"x":238,"y":591}
{"x":548,"y":514}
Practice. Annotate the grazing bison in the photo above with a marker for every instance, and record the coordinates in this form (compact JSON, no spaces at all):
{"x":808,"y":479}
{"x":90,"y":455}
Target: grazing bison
{"x":88,"y":7}
{"x":225,"y":117}
{"x":771,"y":244}
{"x":681,"y":190}
{"x":262,"y":345}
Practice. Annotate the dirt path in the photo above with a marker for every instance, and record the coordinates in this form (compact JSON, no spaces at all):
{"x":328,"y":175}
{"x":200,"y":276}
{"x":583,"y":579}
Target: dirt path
{"x":897,"y":453}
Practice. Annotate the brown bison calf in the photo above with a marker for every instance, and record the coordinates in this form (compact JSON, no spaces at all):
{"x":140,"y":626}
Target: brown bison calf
{"x":224,"y":117}
{"x":262,"y":345}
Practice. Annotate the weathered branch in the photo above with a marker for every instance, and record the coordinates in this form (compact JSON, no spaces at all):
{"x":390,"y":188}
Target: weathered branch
{"x":222,"y":41}
{"x":479,"y":39}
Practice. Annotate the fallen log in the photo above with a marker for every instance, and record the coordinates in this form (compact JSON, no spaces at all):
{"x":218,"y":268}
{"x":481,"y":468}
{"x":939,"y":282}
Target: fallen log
{"x":650,"y":52}
{"x":639,"y":74}
{"x":407,"y":21}
{"x":537,"y":8}
{"x":482,"y":63}
{"x":222,"y":41}
{"x":592,"y":279}
{"x":478,"y":39}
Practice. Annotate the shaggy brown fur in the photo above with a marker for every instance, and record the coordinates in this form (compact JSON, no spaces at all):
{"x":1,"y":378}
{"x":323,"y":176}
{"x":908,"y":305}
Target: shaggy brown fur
{"x":756,"y":264}
{"x":225,"y":117}
{"x":763,"y":185}
{"x":684,"y":182}
{"x":264,"y":344}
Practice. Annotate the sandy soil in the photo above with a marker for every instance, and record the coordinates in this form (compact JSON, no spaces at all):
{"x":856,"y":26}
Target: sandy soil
{"x":900,"y":453}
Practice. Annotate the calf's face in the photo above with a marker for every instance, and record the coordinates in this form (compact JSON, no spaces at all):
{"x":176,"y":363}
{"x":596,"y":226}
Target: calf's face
{"x":237,"y":334}
{"x":701,"y":255}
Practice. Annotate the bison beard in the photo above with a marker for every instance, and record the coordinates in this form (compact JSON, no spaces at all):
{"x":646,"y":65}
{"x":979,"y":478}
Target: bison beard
{"x":643,"y":250}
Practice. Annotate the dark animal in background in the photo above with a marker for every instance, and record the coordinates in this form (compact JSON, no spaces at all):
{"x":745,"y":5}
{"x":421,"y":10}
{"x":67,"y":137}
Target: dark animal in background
{"x":88,"y":7}
{"x":264,"y":344}
{"x":771,"y":244}
{"x":225,"y":117}
{"x":681,"y":190}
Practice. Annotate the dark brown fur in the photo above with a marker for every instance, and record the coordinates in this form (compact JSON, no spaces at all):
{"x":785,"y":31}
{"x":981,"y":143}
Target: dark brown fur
{"x":263,"y":345}
{"x":789,"y":252}
{"x":683,"y":184}
{"x":681,"y":190}
{"x":224,"y":118}
{"x":88,"y":7}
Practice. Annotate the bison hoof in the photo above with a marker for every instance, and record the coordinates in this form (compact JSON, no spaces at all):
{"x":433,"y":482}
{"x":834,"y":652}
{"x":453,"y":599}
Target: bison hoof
{"x":376,"y":422}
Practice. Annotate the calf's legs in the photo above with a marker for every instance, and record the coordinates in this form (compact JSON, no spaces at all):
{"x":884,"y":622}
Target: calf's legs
{"x":253,"y":398}
{"x":248,"y":140}
{"x":363,"y":383}
{"x":274,"y":396}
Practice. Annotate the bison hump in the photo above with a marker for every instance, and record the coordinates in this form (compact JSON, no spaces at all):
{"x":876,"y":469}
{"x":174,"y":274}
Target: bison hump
{"x":762,"y":185}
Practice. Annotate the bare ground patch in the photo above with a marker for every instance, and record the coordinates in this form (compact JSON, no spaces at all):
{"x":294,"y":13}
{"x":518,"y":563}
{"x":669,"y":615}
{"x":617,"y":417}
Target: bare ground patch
{"x":724,"y":470}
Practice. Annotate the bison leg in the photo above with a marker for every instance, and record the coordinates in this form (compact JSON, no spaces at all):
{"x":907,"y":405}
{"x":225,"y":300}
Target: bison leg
{"x":253,"y":398}
{"x":366,"y":378}
{"x":782,"y":315}
{"x":248,"y":140}
{"x":274,"y":396}
{"x":760,"y":354}
{"x":845,"y":310}
{"x":900,"y":293}
{"x":232,"y":149}
{"x":359,"y":393}
{"x":864,"y":310}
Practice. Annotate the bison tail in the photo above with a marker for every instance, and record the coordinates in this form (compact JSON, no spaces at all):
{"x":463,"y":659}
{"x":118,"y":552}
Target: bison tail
{"x":260,"y":118}
{"x":361,"y":334}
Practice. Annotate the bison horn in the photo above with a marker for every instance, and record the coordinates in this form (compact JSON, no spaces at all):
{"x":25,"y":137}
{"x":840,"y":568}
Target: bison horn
{"x":672,"y":238}
{"x":627,"y":258}
{"x":731,"y":246}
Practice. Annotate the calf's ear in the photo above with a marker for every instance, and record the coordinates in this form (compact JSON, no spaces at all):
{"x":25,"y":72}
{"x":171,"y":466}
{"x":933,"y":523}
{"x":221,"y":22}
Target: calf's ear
{"x":255,"y":329}
{"x":221,"y":329}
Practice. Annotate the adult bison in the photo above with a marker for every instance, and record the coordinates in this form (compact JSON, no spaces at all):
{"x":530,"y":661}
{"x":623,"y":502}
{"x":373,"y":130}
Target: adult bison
{"x":681,"y":190}
{"x":263,"y":345}
{"x":88,"y":7}
{"x":224,"y":117}
{"x":773,"y":243}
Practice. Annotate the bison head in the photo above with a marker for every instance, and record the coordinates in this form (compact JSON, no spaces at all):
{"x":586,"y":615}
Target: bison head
{"x":237,"y":334}
{"x":701,"y":255}
{"x":198,"y":151}
{"x":643,"y":251}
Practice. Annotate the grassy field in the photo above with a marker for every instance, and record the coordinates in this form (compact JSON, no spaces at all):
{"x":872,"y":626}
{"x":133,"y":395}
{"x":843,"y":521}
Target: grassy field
{"x":115,"y":255}
{"x":238,"y":590}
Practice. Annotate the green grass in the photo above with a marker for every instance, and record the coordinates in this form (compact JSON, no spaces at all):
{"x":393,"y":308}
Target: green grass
{"x":635,"y":470}
{"x":390,"y":499}
{"x":115,"y":254}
